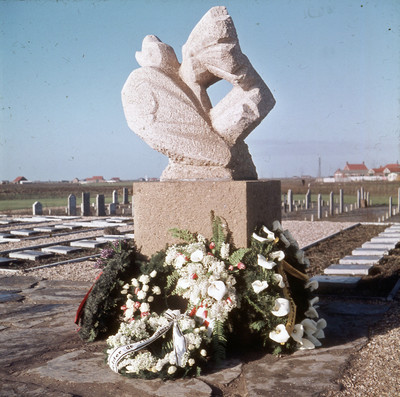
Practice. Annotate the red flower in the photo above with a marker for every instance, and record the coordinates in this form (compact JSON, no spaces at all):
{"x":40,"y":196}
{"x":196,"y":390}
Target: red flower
{"x":137,"y":289}
{"x":136,"y":305}
{"x":123,"y":307}
{"x":241,"y":266}
{"x":194,"y":276}
{"x":230,"y":268}
{"x":144,"y":314}
{"x":212,"y":246}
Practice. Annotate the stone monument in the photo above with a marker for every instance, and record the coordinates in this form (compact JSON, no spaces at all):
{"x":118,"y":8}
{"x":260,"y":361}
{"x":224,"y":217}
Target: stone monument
{"x":210,"y":167}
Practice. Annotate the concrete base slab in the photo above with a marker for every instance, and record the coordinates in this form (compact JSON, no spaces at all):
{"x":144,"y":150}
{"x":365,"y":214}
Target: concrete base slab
{"x":23,"y":232}
{"x":360,"y":260}
{"x":87,"y":243}
{"x":67,"y":226}
{"x":111,"y":238}
{"x":61,"y":249}
{"x":160,"y":206}
{"x":370,"y":251}
{"x":30,"y":255}
{"x":351,"y":270}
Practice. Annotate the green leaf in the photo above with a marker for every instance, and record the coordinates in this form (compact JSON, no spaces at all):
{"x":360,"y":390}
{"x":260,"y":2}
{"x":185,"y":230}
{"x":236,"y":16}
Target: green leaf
{"x":183,"y":234}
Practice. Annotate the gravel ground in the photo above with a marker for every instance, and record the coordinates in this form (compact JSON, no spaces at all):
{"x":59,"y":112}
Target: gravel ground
{"x":373,"y":371}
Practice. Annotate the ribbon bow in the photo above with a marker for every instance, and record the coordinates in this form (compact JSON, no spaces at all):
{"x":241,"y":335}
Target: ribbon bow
{"x":179,"y":341}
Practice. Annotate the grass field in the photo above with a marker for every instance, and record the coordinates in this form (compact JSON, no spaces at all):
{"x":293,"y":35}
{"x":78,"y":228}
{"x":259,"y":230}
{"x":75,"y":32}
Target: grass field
{"x":21,"y":197}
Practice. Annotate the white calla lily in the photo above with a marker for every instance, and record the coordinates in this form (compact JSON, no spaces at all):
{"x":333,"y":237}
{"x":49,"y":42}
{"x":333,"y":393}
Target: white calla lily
{"x":278,"y":255}
{"x":306,"y":345}
{"x":259,"y":286}
{"x":270,"y":235}
{"x":217,"y":290}
{"x":310,"y":326}
{"x":311,"y":312}
{"x":297,"y":333}
{"x":321,"y":324}
{"x":312,"y":285}
{"x":279,"y":335}
{"x":314,"y":340}
{"x":262,"y":261}
{"x":197,"y":256}
{"x":279,"y":279}
{"x":281,"y":307}
{"x":259,"y":238}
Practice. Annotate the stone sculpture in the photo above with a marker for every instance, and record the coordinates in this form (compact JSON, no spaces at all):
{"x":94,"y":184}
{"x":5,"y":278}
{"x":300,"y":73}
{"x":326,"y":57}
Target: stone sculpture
{"x":167,"y":105}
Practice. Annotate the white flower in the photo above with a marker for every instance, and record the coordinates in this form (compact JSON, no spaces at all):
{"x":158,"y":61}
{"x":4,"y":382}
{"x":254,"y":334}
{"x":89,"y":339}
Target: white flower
{"x":197,"y":256}
{"x":259,"y":286}
{"x":203,"y":352}
{"x":144,"y":279}
{"x":224,"y":251}
{"x":259,"y":238}
{"x":281,"y":308}
{"x":141,"y":295}
{"x":278,"y":255}
{"x":183,"y":283}
{"x":312,"y":285}
{"x":144,"y":307}
{"x":145,"y":287}
{"x":264,"y":263}
{"x":150,"y":299}
{"x":313,"y":340}
{"x":297,"y":333}
{"x":306,"y":344}
{"x":279,"y":335}
{"x":153,"y":274}
{"x":126,"y":286}
{"x":134,"y":282}
{"x":217,"y":290}
{"x":270,"y":235}
{"x":191,"y":362}
{"x":156,"y":290}
{"x":310,"y":326}
{"x":171,"y":369}
{"x":319,"y":333}
{"x":311,"y":312}
{"x":124,"y":292}
{"x":279,"y":279}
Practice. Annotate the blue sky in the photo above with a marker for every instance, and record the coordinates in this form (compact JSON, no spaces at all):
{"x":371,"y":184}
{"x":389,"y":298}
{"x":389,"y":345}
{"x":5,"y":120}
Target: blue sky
{"x":333,"y":67}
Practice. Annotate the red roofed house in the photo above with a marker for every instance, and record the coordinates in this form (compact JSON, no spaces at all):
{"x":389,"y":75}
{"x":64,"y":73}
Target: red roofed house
{"x":95,"y":179}
{"x":19,"y":179}
{"x":350,"y":171}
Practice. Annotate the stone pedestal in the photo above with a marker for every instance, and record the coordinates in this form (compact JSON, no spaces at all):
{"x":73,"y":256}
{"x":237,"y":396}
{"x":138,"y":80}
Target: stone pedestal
{"x":160,"y":206}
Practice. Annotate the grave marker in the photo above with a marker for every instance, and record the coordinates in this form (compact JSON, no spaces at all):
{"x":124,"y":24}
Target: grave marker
{"x":71,"y":205}
{"x":125,"y":193}
{"x":37,"y":208}
{"x":115,"y":196}
{"x":85,"y":206}
{"x":100,"y":204}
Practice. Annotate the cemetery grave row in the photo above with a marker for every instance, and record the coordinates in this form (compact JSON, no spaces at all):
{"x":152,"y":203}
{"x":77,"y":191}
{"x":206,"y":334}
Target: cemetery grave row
{"x":334,"y":207}
{"x":74,"y":249}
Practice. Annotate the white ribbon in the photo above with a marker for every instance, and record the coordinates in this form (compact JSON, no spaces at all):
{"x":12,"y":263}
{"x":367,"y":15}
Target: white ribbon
{"x":179,"y":341}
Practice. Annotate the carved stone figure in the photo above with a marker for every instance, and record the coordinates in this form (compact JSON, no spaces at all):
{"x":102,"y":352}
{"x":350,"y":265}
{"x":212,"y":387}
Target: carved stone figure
{"x":167,"y":105}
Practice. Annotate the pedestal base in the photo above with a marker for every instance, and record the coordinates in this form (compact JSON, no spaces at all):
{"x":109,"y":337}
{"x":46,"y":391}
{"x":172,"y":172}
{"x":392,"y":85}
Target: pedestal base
{"x":160,"y":206}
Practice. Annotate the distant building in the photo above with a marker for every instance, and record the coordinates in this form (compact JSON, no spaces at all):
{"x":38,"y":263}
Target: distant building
{"x":391,"y":172}
{"x":75,"y":180}
{"x":95,"y":179}
{"x":351,"y":172}
{"x":114,"y":180}
{"x":19,"y":180}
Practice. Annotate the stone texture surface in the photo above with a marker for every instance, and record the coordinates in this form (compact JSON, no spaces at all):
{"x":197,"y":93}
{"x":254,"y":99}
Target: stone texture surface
{"x":167,"y":105}
{"x":160,"y":206}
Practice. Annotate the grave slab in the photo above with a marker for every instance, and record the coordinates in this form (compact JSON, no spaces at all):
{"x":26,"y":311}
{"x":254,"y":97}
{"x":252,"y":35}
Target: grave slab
{"x":30,"y":255}
{"x":331,"y":283}
{"x":360,"y":260}
{"x":67,"y":226}
{"x":370,"y":251}
{"x":371,"y":245}
{"x":61,"y":249}
{"x":383,"y":239}
{"x":6,"y":261}
{"x":23,"y":232}
{"x":45,"y":229}
{"x":350,"y":270}
{"x":111,"y":238}
{"x":5,"y":235}
{"x":87,"y":243}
